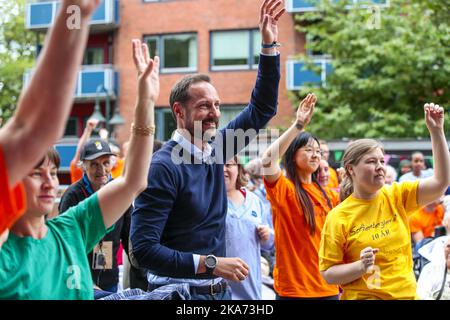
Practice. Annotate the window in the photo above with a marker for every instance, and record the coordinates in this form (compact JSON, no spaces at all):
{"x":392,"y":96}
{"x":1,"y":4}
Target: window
{"x":235,"y":49}
{"x":310,"y":40}
{"x":178,"y":52}
{"x":228,"y":113}
{"x":71,"y":127}
{"x":93,"y":56}
{"x":165,"y":124}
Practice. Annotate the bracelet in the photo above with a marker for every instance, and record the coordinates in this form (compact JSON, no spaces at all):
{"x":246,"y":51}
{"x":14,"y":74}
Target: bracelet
{"x":270,"y":46}
{"x":142,"y":131}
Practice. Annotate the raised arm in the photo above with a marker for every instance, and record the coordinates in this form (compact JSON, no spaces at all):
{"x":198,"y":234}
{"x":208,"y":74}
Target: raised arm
{"x":90,"y":126}
{"x":45,"y":104}
{"x":264,"y":97}
{"x":118,"y":195}
{"x":271,"y":169}
{"x":268,"y":25}
{"x":434,"y":187}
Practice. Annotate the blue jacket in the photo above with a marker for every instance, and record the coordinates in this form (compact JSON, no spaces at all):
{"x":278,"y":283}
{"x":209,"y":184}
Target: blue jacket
{"x":184,"y":207}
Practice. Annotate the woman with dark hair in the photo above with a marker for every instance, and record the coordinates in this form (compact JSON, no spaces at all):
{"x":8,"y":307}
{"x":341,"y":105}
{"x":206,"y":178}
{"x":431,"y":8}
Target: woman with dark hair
{"x":299,"y":208}
{"x":366,"y":241}
{"x":47,"y":259}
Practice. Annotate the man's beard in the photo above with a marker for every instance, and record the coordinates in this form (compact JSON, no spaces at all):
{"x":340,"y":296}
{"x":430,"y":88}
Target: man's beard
{"x":196,"y":131}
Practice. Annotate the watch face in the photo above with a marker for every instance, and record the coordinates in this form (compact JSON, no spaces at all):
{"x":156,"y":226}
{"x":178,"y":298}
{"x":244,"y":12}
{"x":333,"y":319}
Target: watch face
{"x":210,"y":261}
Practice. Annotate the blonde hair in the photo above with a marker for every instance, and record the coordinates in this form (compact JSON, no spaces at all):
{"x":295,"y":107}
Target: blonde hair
{"x":352,"y":156}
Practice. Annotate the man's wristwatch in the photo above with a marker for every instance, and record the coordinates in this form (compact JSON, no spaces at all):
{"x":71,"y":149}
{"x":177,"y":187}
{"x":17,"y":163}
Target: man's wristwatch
{"x":210,"y":263}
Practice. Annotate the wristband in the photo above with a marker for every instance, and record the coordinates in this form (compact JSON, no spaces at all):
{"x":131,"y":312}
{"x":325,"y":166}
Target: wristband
{"x":270,"y":46}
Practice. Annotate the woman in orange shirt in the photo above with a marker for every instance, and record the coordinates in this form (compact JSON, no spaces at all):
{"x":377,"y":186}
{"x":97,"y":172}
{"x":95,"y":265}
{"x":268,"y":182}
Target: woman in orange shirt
{"x":423,"y":221}
{"x":300,"y":206}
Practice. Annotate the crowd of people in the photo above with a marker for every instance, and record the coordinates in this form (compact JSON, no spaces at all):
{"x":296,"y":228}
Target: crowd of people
{"x":192,"y":220}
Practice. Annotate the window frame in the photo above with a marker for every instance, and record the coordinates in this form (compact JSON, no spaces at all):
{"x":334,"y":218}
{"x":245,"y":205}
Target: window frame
{"x":160,"y":50}
{"x":102,"y":49}
{"x":160,"y":113}
{"x":249,"y":66}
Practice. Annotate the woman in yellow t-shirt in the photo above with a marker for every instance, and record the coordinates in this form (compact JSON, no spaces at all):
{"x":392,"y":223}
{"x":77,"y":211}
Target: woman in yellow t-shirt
{"x":366,"y":244}
{"x":299,"y":208}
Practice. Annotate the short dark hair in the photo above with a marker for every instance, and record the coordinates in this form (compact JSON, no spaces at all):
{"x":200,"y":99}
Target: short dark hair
{"x":51,"y":155}
{"x":180,"y":91}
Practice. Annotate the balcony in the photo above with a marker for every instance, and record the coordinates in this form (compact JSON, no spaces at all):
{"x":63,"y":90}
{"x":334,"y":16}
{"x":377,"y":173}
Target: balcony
{"x":89,"y":78}
{"x":310,"y":5}
{"x":298,"y":76}
{"x":66,"y":150}
{"x":40,"y":15}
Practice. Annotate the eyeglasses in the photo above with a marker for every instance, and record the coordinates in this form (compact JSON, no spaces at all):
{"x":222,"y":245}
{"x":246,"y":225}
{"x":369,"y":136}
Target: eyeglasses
{"x":310,"y":150}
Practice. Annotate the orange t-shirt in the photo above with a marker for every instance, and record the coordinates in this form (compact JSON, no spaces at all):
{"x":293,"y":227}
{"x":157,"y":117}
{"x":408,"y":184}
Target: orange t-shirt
{"x":12,"y":201}
{"x":333,"y":181}
{"x":296,"y":272}
{"x":76,"y":173}
{"x":118,"y":168}
{"x":425,"y":221}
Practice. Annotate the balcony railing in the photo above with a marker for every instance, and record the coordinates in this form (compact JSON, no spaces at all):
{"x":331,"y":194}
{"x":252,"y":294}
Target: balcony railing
{"x":298,"y":76}
{"x":40,"y":15}
{"x":66,"y":151}
{"x":89,"y":78}
{"x":311,"y":5}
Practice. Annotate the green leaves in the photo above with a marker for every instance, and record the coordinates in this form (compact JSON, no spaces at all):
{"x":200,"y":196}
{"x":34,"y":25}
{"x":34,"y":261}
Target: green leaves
{"x":382,"y":74}
{"x":16,"y":54}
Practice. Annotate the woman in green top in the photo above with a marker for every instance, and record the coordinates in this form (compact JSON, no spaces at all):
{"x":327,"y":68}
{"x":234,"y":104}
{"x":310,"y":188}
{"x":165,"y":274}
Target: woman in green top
{"x":47,"y":259}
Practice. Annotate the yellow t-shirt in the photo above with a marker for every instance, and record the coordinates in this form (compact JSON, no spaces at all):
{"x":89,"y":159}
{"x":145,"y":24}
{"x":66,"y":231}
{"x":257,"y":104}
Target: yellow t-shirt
{"x":379,"y":223}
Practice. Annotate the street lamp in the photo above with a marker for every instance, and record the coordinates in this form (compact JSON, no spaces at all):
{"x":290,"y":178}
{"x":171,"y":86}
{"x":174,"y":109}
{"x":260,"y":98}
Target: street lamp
{"x":110,"y":121}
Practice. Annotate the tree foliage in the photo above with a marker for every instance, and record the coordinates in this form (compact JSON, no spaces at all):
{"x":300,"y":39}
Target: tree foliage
{"x":16,"y":54}
{"x":384,"y":69}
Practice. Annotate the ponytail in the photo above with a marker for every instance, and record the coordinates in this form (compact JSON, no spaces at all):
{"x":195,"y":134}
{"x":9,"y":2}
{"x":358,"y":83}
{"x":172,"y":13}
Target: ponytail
{"x":346,"y":188}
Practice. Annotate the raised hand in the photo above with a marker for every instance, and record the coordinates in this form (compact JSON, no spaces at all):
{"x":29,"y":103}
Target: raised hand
{"x":434,"y":116}
{"x":87,"y":7}
{"x":91,"y":124}
{"x":268,"y":20}
{"x":148,"y":71}
{"x":305,"y":110}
